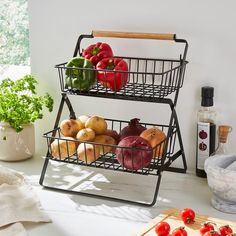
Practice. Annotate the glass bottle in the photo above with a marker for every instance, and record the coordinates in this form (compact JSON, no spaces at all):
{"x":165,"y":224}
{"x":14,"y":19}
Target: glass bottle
{"x":223,"y":131}
{"x":206,"y":130}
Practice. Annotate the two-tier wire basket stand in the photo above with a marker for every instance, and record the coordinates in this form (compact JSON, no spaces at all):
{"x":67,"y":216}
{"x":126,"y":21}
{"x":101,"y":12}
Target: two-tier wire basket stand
{"x":152,"y":80}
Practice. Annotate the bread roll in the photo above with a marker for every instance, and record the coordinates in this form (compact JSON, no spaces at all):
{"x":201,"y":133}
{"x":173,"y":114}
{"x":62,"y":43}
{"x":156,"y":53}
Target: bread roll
{"x":155,"y":136}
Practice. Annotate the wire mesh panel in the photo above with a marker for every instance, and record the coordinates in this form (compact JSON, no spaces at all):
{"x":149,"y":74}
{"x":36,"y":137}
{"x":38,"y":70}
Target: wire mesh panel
{"x":146,"y":79}
{"x":102,"y":155}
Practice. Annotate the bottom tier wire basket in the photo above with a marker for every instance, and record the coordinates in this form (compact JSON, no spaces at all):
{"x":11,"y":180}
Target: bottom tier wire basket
{"x":106,"y":159}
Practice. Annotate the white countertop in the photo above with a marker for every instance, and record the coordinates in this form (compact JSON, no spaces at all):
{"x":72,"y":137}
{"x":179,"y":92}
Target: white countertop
{"x":76,"y":215}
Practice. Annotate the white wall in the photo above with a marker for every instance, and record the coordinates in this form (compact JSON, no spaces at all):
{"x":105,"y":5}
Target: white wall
{"x":209,"y":26}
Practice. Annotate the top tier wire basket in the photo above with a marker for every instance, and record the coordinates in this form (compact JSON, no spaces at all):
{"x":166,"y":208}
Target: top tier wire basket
{"x":149,"y":79}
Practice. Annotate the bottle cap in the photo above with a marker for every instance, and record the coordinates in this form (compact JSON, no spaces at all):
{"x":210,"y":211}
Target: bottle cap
{"x":207,"y":96}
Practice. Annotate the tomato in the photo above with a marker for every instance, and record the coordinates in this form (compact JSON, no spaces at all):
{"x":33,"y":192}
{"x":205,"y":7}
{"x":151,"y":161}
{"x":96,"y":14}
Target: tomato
{"x":206,"y":227}
{"x":162,"y":228}
{"x":225,"y":230}
{"x":233,"y":234}
{"x":211,"y":233}
{"x":179,"y":232}
{"x":187,"y":215}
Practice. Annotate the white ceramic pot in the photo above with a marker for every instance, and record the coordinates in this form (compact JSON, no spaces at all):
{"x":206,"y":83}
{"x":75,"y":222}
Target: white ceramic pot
{"x":221,"y":180}
{"x":16,"y":146}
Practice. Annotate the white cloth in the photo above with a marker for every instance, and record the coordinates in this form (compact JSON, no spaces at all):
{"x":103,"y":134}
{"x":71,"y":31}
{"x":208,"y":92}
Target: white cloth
{"x":18,"y":203}
{"x":10,"y":177}
{"x":15,"y":229}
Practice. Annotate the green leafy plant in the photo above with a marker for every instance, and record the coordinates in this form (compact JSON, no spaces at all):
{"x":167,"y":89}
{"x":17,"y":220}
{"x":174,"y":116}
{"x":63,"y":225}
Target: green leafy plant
{"x":19,"y":102}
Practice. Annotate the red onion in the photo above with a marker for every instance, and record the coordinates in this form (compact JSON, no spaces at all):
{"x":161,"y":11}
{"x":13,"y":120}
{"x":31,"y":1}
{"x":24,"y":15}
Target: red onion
{"x":137,"y":156}
{"x":133,"y":129}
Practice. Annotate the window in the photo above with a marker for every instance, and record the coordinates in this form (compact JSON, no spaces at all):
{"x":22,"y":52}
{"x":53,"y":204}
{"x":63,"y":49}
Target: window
{"x":14,"y":38}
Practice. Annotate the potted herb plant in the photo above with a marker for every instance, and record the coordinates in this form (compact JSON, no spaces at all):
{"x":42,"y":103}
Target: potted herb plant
{"x":20,"y":106}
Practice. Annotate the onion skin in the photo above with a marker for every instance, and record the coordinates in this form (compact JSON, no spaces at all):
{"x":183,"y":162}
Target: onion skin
{"x":134,"y":128}
{"x":137,"y":156}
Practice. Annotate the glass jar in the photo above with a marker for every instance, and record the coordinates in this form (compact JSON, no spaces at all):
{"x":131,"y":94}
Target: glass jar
{"x":223,"y":131}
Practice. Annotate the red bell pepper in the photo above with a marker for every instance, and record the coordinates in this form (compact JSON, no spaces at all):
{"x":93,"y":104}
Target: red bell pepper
{"x":116,"y":75}
{"x":96,"y":52}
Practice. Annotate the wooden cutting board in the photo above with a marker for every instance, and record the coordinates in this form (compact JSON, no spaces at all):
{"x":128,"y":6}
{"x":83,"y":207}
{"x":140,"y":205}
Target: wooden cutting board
{"x":172,"y":216}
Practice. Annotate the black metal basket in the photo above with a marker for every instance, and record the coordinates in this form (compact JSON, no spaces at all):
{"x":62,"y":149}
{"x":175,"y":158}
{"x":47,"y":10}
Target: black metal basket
{"x":148,"y":79}
{"x":107,"y":157}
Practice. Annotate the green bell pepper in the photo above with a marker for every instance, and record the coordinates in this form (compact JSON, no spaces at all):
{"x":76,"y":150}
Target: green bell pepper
{"x":80,"y":74}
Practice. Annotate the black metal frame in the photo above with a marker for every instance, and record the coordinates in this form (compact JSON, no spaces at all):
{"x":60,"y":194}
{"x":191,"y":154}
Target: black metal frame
{"x":163,"y":83}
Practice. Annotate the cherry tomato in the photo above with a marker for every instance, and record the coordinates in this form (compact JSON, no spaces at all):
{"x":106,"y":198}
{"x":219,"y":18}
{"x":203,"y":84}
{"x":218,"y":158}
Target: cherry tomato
{"x":187,"y":215}
{"x":162,"y":229}
{"x":211,"y":233}
{"x":206,"y":227}
{"x":179,"y":232}
{"x":225,"y":230}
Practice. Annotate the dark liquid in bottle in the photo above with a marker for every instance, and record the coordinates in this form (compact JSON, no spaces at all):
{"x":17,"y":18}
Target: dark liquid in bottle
{"x":200,"y":172}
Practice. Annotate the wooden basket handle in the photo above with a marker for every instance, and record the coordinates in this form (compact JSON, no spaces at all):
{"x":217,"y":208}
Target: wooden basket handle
{"x":134,"y":35}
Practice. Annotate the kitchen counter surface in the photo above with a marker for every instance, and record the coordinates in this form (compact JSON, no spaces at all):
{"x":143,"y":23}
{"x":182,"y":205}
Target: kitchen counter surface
{"x":76,"y":215}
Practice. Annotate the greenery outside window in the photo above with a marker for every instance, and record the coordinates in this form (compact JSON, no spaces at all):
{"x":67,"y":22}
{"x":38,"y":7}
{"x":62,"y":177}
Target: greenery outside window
{"x":14,"y":38}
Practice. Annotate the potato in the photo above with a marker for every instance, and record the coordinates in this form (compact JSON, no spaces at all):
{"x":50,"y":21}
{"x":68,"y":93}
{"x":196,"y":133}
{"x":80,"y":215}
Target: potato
{"x":105,"y":139}
{"x":96,"y":123}
{"x":88,"y":152}
{"x":61,"y":149}
{"x":83,"y":119}
{"x":70,"y":127}
{"x":85,"y":134}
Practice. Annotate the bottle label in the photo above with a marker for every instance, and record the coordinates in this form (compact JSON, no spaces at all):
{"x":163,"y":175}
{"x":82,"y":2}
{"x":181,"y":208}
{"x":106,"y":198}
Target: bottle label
{"x":203,"y":143}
